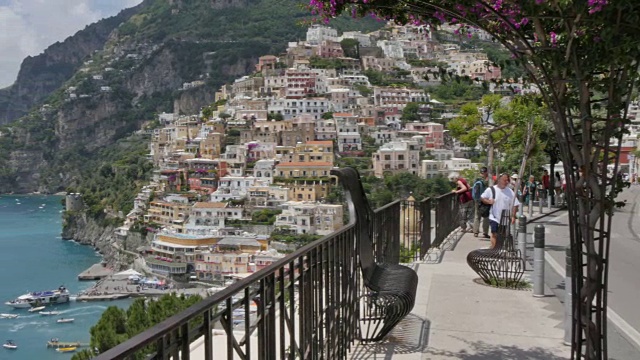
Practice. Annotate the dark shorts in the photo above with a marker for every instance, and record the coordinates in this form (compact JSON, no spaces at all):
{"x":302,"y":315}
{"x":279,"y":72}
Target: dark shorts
{"x":494,"y":226}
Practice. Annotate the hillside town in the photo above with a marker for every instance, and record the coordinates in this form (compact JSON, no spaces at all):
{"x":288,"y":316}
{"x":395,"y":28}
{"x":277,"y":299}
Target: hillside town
{"x":257,"y":162}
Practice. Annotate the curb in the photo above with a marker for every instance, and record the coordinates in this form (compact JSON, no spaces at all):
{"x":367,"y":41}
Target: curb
{"x":629,"y":332}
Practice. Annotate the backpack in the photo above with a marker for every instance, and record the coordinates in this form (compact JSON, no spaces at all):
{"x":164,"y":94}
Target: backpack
{"x":478,"y":189}
{"x":485,"y":209}
{"x":465,"y":197}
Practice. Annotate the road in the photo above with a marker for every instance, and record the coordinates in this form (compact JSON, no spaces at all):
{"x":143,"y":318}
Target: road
{"x":624,"y":266}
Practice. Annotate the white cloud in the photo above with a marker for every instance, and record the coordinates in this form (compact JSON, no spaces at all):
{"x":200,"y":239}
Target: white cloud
{"x":27,"y":27}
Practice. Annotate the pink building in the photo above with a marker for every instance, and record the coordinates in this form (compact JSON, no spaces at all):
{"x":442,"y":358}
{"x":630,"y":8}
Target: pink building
{"x":300,"y":83}
{"x":330,"y":49}
{"x":267,"y":62}
{"x":432,"y":132}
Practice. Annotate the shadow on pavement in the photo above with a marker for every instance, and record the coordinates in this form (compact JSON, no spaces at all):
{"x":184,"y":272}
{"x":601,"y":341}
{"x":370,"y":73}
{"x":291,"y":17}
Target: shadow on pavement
{"x":478,"y":350}
{"x":410,"y":336}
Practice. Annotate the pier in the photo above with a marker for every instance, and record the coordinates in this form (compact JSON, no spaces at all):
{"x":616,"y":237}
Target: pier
{"x":106,"y":297}
{"x":95,"y":272}
{"x":65,"y":344}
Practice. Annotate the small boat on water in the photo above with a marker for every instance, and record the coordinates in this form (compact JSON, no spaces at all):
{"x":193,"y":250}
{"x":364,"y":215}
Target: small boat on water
{"x":8,"y":316}
{"x":48,"y":313}
{"x":64,"y":321}
{"x":66,"y":349}
{"x":37,"y":308}
{"x":9,"y":344}
{"x":37,"y":298}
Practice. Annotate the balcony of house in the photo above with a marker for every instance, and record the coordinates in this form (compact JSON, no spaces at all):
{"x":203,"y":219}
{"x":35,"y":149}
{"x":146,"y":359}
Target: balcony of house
{"x":165,"y":266}
{"x":309,"y":303}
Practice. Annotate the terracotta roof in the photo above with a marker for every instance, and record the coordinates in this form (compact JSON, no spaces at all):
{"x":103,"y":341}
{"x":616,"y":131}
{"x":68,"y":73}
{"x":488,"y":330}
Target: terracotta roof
{"x":310,"y":163}
{"x":209,"y":205}
{"x":342,"y":114}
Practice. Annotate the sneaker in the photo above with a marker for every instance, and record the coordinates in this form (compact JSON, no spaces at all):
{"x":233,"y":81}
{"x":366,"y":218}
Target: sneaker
{"x":475,"y":234}
{"x":486,"y":236}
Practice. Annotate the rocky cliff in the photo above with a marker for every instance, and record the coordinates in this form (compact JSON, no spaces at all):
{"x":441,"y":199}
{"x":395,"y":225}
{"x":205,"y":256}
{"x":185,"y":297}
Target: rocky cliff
{"x":87,"y":231}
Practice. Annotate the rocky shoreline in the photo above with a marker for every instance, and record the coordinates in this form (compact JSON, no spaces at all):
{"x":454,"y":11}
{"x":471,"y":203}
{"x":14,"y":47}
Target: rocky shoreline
{"x":79,"y":227}
{"x":86,"y":231}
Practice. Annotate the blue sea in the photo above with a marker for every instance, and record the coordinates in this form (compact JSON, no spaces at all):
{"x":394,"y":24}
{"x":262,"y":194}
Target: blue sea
{"x":34,"y":257}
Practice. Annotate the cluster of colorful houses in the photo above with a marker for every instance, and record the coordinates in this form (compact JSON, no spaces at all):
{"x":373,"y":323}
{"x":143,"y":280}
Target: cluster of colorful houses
{"x":272,"y":138}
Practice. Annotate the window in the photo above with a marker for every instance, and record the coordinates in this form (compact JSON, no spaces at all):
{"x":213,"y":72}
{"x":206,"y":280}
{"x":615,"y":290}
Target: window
{"x":387,"y":157}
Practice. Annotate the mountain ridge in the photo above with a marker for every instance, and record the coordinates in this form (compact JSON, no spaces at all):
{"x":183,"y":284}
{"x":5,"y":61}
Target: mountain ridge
{"x":139,"y":71}
{"x":41,"y":74}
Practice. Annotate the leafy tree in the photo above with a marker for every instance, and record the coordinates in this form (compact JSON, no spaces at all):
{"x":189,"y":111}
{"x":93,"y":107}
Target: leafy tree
{"x":488,"y":123}
{"x":363,"y":90}
{"x":351,"y":48}
{"x":328,"y":115}
{"x":265,"y":216}
{"x":116,"y":325}
{"x":275,"y":116}
{"x":410,"y":112}
{"x":207,"y":112}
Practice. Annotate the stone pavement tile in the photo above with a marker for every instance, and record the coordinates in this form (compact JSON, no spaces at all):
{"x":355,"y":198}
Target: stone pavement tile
{"x":459,"y":304}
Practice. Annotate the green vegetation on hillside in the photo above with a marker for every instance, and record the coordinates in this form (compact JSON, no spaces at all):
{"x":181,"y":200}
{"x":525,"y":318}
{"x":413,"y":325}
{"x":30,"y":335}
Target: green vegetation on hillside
{"x":111,"y":178}
{"x":399,"y":186}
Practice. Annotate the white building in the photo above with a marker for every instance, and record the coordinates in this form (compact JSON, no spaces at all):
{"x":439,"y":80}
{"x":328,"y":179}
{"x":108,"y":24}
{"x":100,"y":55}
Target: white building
{"x":314,"y":107}
{"x":348,"y":135}
{"x":395,"y":157}
{"x":318,"y":33}
{"x":363,"y":39}
{"x":263,"y":170}
{"x":430,"y":169}
{"x":384,"y":135}
{"x":233,"y":188}
{"x":391,"y":49}
{"x":310,"y":218}
{"x":326,"y":129}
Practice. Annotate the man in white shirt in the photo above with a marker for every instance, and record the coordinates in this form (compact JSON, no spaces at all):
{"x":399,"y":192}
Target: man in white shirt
{"x":503,"y":199}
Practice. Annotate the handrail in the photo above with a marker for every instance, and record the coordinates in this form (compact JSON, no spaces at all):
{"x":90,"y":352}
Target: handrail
{"x":447,"y":219}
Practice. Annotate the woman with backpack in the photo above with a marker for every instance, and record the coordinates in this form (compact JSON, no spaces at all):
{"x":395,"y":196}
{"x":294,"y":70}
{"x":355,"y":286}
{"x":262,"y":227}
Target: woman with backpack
{"x":465,"y":199}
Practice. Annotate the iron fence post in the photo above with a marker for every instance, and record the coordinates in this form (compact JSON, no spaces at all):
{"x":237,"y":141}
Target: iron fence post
{"x":522,"y":238}
{"x":538,"y":261}
{"x":568,"y":301}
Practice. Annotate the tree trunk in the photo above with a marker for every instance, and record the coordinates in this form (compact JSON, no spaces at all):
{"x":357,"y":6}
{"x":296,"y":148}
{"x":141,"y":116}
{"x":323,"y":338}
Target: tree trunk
{"x":528,"y":147}
{"x":490,"y":161}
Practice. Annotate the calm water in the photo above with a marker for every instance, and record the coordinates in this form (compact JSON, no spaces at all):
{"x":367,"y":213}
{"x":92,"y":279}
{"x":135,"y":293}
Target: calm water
{"x":33,"y":257}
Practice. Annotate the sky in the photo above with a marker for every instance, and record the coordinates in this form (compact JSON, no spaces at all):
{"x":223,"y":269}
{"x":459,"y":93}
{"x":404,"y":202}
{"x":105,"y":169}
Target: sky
{"x":28,"y":27}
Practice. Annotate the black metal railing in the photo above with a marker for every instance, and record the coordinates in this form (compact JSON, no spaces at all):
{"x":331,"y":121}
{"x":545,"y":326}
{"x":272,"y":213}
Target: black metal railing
{"x":304,"y":306}
{"x":447,"y":217}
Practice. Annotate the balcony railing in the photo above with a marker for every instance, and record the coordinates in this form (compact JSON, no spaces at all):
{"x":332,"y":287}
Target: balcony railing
{"x":307,"y":304}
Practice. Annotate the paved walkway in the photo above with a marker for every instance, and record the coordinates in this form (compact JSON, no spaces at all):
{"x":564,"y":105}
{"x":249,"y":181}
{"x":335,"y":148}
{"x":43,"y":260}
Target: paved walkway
{"x":456,"y":318}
